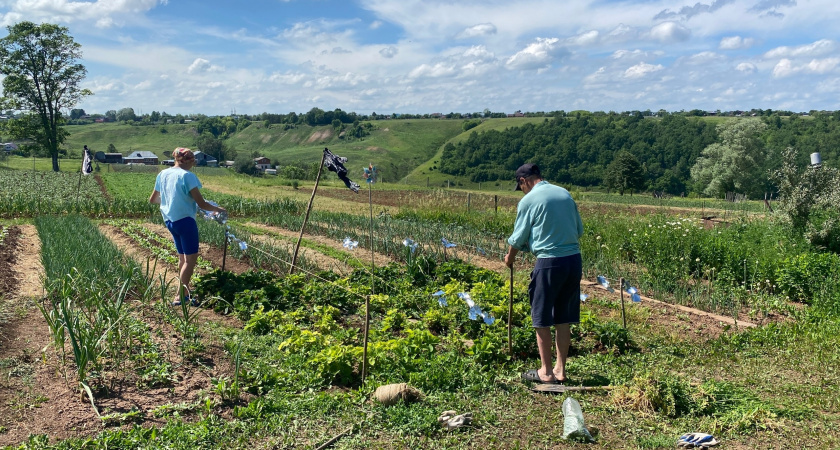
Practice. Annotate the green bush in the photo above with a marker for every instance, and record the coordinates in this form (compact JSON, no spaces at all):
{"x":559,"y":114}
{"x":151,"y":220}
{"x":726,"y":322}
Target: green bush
{"x":800,"y":276}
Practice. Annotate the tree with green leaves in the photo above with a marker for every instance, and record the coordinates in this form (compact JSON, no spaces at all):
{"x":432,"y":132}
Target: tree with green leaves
{"x":42,"y":78}
{"x":809,"y":196}
{"x":625,"y":173}
{"x":736,"y":164}
{"x":126,"y":114}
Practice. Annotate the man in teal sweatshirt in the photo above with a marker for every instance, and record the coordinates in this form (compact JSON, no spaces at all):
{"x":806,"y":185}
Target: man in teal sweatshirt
{"x":548,"y":225}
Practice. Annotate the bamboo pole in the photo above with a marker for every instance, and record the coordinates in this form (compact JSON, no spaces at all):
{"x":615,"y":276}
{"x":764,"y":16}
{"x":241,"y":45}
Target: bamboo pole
{"x":306,"y":217}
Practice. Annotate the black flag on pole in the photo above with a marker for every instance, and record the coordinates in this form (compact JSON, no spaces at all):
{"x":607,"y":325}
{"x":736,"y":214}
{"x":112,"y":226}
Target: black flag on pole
{"x":336,"y":164}
{"x":87,"y":162}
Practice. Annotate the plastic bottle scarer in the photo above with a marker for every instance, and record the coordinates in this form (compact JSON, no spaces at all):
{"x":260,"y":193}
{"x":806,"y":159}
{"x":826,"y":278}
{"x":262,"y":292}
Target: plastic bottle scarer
{"x":573,"y":425}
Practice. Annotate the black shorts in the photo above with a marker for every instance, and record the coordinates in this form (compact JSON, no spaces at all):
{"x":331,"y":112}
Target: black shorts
{"x":555,"y":291}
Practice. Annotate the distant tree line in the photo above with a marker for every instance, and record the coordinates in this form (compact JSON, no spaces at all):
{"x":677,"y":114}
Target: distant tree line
{"x":674,"y":153}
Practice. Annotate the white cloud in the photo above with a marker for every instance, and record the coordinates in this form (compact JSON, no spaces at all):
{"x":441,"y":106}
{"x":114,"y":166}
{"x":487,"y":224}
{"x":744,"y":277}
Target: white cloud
{"x":537,"y":55}
{"x":703,"y":58}
{"x":818,"y":48}
{"x":786,"y":67}
{"x":821,"y":66}
{"x":641,"y":70}
{"x":669,"y":32}
{"x":746,"y":67}
{"x":389,"y":52}
{"x":584,"y":39}
{"x":375,"y":25}
{"x":771,"y":7}
{"x":736,"y":43}
{"x":100,"y":12}
{"x":482,"y":29}
{"x":687,"y":12}
{"x":436,"y":70}
{"x":201,"y":65}
{"x":470,"y":62}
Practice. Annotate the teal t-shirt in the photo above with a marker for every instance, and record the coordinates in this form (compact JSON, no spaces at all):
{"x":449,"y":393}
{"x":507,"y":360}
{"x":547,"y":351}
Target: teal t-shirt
{"x":174,"y":185}
{"x":547,"y":223}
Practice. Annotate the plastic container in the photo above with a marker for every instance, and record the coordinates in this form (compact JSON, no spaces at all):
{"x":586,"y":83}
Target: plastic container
{"x":573,"y":425}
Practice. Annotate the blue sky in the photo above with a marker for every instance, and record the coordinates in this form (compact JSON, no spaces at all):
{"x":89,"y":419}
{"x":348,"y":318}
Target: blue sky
{"x":426,"y":56}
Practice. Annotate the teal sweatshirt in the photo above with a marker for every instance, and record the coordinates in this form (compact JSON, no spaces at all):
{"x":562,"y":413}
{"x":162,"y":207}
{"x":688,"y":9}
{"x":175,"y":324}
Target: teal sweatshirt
{"x":548,"y":223}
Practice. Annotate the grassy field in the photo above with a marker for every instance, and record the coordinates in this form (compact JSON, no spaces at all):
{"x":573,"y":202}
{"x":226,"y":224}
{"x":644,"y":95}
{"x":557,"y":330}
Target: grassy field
{"x":159,"y":139}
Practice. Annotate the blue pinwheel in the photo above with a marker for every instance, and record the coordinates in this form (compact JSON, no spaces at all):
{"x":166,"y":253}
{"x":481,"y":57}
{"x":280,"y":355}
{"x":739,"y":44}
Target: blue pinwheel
{"x":441,"y":298}
{"x":447,"y":244}
{"x":349,"y":243}
{"x":602,"y":280}
{"x":408,"y":242}
{"x":634,"y":294}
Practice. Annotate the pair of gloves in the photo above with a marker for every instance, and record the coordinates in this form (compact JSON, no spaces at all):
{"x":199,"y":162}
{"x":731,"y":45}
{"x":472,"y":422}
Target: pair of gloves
{"x":701,"y":440}
{"x":452,"y":420}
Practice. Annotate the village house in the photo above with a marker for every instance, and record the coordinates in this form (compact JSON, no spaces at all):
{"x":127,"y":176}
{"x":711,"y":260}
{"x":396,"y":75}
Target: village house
{"x":108,"y":158}
{"x":141,"y":157}
{"x":262,"y":163}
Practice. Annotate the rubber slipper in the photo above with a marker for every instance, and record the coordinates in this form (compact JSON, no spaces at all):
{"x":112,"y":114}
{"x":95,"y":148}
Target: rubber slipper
{"x":534,"y":377}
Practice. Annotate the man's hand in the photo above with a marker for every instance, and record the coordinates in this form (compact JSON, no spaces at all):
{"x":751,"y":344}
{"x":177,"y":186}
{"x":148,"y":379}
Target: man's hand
{"x":510,"y":257}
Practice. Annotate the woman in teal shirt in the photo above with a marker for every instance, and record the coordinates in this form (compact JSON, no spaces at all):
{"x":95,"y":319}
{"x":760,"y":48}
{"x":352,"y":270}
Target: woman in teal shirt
{"x":177,"y":193}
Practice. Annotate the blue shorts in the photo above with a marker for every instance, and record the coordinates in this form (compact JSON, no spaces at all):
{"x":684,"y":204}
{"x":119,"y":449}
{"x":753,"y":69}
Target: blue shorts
{"x":555,"y":291}
{"x":185,"y":234}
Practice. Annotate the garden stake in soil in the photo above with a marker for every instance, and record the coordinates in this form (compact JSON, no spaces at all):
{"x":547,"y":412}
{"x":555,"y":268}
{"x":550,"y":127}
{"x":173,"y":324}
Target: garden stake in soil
{"x":510,"y":313}
{"x":367,"y":298}
{"x":224,"y":250}
{"x":306,"y":217}
{"x":621,"y":289}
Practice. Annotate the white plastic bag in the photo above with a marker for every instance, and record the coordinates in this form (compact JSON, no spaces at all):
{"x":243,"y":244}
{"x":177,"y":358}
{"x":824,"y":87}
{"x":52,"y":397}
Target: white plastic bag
{"x":573,"y":425}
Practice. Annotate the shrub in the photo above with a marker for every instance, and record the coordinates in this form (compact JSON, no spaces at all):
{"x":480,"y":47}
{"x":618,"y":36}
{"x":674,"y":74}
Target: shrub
{"x":800,"y":276}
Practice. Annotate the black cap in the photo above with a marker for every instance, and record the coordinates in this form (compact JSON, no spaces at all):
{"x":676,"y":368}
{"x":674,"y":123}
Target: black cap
{"x":524,"y":171}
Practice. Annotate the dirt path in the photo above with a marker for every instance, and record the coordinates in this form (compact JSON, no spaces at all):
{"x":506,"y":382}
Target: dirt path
{"x":33,"y":395}
{"x":363,"y":255}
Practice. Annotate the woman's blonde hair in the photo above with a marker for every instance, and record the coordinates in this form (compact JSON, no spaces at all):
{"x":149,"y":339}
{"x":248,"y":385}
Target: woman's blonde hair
{"x":182,"y":154}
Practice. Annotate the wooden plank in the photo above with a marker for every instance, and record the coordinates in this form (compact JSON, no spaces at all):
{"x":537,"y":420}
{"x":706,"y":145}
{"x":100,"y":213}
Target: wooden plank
{"x":561,"y":388}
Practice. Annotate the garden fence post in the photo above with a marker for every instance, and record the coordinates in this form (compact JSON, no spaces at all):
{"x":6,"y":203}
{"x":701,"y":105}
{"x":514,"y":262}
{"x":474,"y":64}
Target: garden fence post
{"x":621,"y":289}
{"x":469,"y":198}
{"x":496,"y":203}
{"x":306,"y":217}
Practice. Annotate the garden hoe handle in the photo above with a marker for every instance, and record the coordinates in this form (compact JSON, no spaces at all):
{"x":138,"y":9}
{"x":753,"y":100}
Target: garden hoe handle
{"x":510,"y":312}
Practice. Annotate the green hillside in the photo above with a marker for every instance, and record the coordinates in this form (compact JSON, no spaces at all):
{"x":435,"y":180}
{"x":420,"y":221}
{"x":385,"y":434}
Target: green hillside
{"x":160,"y":139}
{"x":395,"y":146}
{"x":427,"y":173}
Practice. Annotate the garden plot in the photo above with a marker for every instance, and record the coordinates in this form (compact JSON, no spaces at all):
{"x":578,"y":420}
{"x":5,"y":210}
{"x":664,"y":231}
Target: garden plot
{"x":143,"y":368}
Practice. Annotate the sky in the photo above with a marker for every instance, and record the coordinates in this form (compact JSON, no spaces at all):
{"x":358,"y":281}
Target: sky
{"x":425,"y":56}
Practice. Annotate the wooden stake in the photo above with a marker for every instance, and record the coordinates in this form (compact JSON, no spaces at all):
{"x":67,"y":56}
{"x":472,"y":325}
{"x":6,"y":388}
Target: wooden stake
{"x":306,"y":217}
{"x":510,"y":314}
{"x":621,"y":289}
{"x":224,"y":250}
{"x":332,"y":441}
{"x":367,"y":299}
